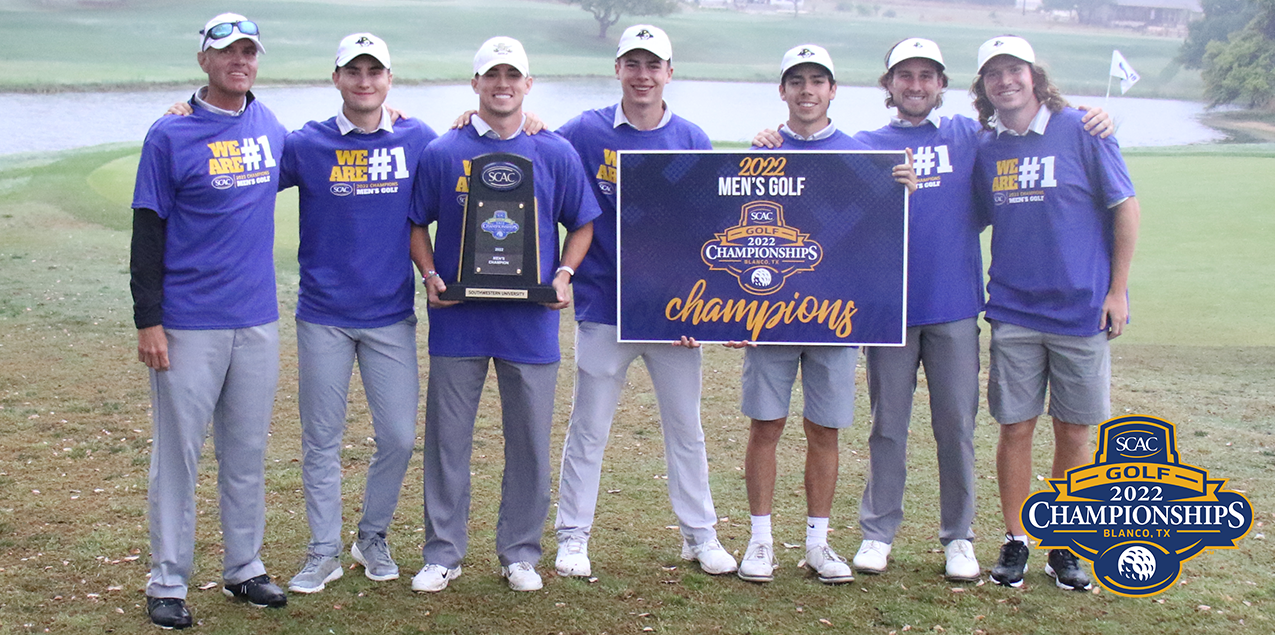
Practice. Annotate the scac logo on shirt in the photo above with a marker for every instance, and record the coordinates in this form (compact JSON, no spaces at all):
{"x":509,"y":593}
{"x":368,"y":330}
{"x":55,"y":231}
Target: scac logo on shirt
{"x":501,"y":176}
{"x":342,"y":189}
{"x":223,"y":182}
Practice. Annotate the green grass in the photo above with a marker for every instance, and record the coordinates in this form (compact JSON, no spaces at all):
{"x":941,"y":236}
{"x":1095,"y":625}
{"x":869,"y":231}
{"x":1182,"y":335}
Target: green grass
{"x":146,"y":42}
{"x":74,"y":428}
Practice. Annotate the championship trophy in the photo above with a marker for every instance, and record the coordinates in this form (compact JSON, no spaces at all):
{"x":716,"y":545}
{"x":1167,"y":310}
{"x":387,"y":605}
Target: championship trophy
{"x":500,"y":235}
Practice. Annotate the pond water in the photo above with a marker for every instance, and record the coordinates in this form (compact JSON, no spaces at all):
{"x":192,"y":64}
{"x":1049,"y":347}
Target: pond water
{"x":728,"y":111}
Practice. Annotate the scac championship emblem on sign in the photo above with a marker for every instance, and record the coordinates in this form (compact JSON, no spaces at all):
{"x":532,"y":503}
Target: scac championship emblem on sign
{"x":1137,"y":512}
{"x":761,"y":251}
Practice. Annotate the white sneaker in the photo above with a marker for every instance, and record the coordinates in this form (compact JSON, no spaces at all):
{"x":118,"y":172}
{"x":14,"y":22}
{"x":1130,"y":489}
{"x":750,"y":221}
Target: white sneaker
{"x":962,"y":566}
{"x":758,"y":564}
{"x":522,"y":577}
{"x":573,"y":558}
{"x":434,"y":578}
{"x":712,"y":557}
{"x":830,"y":567}
{"x":872,"y":556}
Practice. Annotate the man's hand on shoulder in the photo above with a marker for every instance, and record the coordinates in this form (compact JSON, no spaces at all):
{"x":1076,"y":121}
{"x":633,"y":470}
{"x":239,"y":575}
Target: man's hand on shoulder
{"x":181,"y":108}
{"x":1097,"y":121}
{"x":768,"y":139}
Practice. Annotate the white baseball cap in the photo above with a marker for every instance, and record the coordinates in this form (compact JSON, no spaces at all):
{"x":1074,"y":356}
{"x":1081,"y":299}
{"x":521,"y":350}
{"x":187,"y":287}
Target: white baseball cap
{"x":226,"y":29}
{"x":357,"y":44}
{"x":501,"y":50}
{"x":645,"y":37}
{"x":1011,"y":45}
{"x":914,"y":48}
{"x":807,"y":54}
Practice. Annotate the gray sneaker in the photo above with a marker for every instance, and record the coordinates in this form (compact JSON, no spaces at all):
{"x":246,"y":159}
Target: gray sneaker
{"x":317,"y":572}
{"x":374,"y":554}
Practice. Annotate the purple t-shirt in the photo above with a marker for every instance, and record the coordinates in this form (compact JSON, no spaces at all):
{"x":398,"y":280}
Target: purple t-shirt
{"x":213,"y":178}
{"x":1048,"y":198}
{"x":945,"y":261}
{"x":514,"y":331}
{"x":596,"y":139}
{"x":355,"y":193}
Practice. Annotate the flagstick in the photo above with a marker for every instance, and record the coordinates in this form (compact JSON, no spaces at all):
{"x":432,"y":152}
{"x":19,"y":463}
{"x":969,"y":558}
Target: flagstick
{"x":1104,"y":99}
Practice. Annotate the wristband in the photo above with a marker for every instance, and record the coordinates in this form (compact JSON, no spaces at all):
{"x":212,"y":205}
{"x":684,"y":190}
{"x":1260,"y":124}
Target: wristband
{"x":571,"y":272}
{"x":428,"y":274}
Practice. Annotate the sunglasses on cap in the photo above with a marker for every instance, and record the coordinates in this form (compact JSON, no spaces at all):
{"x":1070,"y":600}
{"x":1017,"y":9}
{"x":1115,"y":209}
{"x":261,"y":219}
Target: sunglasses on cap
{"x":223,"y":30}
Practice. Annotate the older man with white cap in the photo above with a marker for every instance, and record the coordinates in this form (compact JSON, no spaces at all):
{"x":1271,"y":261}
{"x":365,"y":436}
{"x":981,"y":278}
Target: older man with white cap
{"x":203,"y":288}
{"x":1064,"y":225}
{"x":519,"y":339}
{"x":641,"y":121}
{"x":354,"y":173}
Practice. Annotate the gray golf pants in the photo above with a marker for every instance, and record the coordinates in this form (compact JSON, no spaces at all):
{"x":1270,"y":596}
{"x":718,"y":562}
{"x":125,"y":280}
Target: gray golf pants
{"x":451,"y":406}
{"x":228,"y":378}
{"x":387,"y":363}
{"x":949,"y":353}
{"x":601,"y":366}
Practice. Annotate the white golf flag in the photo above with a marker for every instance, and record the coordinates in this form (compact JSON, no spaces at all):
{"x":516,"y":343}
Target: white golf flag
{"x":1120,"y":68}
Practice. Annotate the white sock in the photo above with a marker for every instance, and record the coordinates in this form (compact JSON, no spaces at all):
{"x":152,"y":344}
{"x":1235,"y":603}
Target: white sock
{"x":816,"y":532}
{"x":761,"y":529}
{"x":1022,"y":539}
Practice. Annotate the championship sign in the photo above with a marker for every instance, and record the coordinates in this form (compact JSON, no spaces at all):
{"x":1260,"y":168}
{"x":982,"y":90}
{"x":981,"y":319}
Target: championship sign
{"x":770,"y":247}
{"x":1137,"y":512}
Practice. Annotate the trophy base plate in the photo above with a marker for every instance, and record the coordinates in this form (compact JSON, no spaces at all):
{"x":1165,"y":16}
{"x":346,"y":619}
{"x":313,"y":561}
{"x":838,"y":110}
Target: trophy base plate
{"x":543,"y":294}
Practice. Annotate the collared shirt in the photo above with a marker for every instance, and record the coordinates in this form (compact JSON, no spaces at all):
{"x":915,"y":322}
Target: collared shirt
{"x":621,"y":119}
{"x":203,"y":92}
{"x":932,"y":118}
{"x":485,"y":130}
{"x":346,"y":126}
{"x":828,"y":131}
{"x":1037,"y":124}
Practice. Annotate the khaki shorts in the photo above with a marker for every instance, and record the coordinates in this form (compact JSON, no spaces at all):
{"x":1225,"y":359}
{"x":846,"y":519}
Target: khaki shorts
{"x":827,"y":383}
{"x":1076,"y":370}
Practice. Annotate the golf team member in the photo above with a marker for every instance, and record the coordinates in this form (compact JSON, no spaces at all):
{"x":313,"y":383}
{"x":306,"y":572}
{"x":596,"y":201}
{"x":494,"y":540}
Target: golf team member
{"x":1064,"y":224}
{"x":520,"y":339}
{"x":641,"y":121}
{"x":354,"y":174}
{"x":808,"y":85}
{"x":203,"y":288}
{"x":945,"y":296}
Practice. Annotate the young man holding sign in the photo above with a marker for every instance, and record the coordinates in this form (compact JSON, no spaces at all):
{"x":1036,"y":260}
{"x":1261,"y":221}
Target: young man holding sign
{"x":808,"y":86}
{"x":641,"y":121}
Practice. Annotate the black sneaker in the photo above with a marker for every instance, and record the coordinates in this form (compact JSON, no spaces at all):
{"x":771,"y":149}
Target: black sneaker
{"x":1064,"y":567}
{"x":258,"y":591}
{"x":168,"y":613}
{"x":1012,"y":564}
